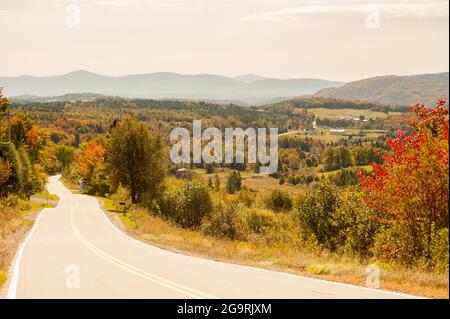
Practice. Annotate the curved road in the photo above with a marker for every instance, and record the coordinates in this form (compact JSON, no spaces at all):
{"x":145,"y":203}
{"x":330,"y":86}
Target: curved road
{"x":74,"y":251}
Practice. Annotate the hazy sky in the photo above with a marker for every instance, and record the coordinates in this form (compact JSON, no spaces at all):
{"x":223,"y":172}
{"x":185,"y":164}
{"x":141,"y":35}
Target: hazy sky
{"x":331,"y":39}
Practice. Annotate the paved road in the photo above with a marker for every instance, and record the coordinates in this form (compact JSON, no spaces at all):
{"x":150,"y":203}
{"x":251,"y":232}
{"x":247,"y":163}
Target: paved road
{"x":74,"y":251}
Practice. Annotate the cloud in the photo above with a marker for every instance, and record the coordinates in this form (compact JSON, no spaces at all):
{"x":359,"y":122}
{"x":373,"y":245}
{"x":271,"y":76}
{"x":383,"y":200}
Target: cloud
{"x":388,"y":10}
{"x":119,"y":3}
{"x":116,"y":3}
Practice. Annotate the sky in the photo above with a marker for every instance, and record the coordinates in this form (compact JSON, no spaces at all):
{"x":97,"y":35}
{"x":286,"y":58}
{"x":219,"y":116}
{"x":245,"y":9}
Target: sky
{"x":330,"y":39}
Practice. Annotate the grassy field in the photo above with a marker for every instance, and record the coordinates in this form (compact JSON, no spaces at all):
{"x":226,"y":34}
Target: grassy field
{"x":326,"y":136}
{"x":295,"y":259}
{"x":367,"y":168}
{"x":254,"y":182}
{"x":336,"y":114}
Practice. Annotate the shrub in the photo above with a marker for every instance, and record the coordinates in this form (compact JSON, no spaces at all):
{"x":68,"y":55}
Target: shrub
{"x":347,"y":176}
{"x":395,"y":243}
{"x":210,"y":183}
{"x":196,"y":205}
{"x":186,"y":206}
{"x":339,"y":219}
{"x":209,"y":169}
{"x":259,"y":221}
{"x":225,"y":222}
{"x":171,"y":203}
{"x":246,"y":198}
{"x":11,"y":200}
{"x":438,"y":250}
{"x":216,"y":183}
{"x":121,"y":195}
{"x":234,"y":182}
{"x":354,"y":222}
{"x":401,"y":244}
{"x":315,"y":214}
{"x":279,"y":201}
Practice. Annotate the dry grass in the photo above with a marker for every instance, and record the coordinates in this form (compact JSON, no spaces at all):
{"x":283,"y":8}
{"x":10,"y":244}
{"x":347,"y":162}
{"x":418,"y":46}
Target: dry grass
{"x":13,"y":226}
{"x":15,"y":221}
{"x":307,"y":261}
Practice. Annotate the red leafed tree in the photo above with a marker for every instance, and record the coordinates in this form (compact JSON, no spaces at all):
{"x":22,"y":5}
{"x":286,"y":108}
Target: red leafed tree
{"x":411,"y":186}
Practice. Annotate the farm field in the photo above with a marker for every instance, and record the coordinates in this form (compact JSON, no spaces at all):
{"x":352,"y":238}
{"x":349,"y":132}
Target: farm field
{"x":336,"y":114}
{"x":261,"y":184}
{"x":326,"y":136}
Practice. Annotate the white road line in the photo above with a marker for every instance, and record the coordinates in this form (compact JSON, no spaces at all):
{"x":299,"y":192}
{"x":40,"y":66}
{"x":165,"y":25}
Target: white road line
{"x":12,"y":289}
{"x":151,"y":277}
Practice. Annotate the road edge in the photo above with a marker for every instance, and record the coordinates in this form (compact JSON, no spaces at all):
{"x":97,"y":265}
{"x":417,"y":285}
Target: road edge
{"x":9,"y":289}
{"x":124,"y":233}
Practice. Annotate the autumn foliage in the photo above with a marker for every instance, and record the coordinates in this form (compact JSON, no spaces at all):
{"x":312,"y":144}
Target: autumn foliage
{"x":410,"y":188}
{"x":90,"y":163}
{"x":90,"y":159}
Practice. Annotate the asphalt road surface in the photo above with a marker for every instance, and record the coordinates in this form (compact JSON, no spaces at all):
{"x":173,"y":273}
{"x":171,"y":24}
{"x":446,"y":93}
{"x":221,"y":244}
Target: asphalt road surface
{"x":74,"y":251}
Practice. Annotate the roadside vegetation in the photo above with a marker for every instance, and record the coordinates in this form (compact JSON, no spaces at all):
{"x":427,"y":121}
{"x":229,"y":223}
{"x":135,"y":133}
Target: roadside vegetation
{"x":346,"y":217}
{"x":335,"y":205}
{"x":24,"y":163}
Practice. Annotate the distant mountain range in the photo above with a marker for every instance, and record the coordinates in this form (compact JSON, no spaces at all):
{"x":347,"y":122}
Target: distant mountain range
{"x":249,"y":88}
{"x":243,"y":89}
{"x":394,"y":90}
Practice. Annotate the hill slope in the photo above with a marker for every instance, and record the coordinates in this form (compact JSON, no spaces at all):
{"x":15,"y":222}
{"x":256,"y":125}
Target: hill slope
{"x":394,"y":90}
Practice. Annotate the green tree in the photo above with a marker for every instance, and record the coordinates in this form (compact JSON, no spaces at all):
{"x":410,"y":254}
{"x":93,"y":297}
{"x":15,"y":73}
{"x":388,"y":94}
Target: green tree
{"x":344,"y":156}
{"x":329,"y":160}
{"x":28,"y":178}
{"x":135,"y":158}
{"x":14,"y":182}
{"x":4,"y":103}
{"x":64,"y":154}
{"x":5,"y":173}
{"x":315,"y":213}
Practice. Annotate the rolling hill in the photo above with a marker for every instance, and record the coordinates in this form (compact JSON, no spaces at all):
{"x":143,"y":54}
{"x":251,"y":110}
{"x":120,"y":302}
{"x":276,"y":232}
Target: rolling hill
{"x":394,"y":90}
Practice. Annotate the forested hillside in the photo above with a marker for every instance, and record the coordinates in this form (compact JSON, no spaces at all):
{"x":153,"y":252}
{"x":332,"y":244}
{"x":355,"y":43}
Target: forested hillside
{"x":393,"y":90}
